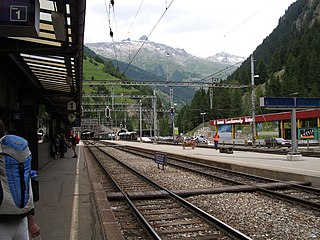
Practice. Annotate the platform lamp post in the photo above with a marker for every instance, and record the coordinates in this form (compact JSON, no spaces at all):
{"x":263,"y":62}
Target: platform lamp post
{"x":203,"y":113}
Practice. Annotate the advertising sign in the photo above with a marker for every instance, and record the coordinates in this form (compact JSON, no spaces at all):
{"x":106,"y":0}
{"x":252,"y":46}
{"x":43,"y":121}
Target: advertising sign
{"x":307,"y":133}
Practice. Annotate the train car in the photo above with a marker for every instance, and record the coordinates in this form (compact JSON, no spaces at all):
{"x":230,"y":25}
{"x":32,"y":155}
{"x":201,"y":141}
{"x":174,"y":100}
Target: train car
{"x":128,"y":136}
{"x":87,"y":135}
{"x":106,"y":136}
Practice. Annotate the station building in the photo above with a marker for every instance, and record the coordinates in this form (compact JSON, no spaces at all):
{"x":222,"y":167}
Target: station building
{"x":308,"y":124}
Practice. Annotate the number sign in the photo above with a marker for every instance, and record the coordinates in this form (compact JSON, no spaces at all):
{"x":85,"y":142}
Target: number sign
{"x":18,"y":13}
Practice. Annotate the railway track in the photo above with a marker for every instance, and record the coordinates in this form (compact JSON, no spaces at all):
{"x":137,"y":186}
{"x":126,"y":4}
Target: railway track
{"x":291,"y":192}
{"x":162,"y":213}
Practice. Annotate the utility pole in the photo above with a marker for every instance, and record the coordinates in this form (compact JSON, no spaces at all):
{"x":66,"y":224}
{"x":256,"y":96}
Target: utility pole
{"x":211,"y":97}
{"x":253,"y":103}
{"x":112,"y":93}
{"x":155,"y":127}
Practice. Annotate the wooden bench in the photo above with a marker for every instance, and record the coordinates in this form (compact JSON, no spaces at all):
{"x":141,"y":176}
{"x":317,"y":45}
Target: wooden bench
{"x":225,"y":149}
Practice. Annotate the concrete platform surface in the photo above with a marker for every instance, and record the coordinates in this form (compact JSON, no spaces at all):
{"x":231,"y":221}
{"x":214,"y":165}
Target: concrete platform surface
{"x":66,"y":209}
{"x":268,"y":165}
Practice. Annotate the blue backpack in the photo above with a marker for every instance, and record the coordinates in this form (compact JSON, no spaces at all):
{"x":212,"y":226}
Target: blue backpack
{"x":16,"y":198}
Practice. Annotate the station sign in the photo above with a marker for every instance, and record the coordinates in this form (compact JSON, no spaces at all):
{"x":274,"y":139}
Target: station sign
{"x":276,"y":102}
{"x":71,"y":106}
{"x":289,"y":102}
{"x":308,"y":102}
{"x":161,"y":159}
{"x":19,"y":18}
{"x":72,"y":117}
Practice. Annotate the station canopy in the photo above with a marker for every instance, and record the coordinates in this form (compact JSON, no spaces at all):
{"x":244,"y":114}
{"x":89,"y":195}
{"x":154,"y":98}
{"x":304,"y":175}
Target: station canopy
{"x":47,"y":66}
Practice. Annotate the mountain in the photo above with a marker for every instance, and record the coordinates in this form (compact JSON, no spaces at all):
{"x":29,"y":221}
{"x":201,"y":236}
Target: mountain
{"x":226,"y":58}
{"x":174,"y":64}
{"x":287,"y":61}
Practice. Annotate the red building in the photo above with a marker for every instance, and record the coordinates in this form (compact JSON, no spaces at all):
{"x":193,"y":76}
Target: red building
{"x":308,"y":123}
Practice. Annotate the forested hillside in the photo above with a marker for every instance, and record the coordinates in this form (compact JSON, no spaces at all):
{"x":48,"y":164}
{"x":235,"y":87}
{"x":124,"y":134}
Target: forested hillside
{"x":287,"y":62}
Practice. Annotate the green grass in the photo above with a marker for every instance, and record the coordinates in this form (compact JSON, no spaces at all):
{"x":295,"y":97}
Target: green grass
{"x":95,"y":70}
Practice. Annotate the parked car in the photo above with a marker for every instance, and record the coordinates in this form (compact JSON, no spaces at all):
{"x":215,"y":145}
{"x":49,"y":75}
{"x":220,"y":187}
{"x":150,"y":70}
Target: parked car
{"x":201,"y":140}
{"x":277,"y":142}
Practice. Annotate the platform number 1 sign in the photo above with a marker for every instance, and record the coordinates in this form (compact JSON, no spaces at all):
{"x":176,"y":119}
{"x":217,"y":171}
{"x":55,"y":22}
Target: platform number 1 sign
{"x":18,"y":13}
{"x":71,"y":106}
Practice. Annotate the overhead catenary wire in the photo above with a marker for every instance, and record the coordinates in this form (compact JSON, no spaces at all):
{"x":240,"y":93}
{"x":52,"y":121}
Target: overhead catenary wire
{"x":148,"y":36}
{"x":108,"y":11}
{"x":134,"y":19}
{"x":233,"y":29}
{"x":220,"y":71}
{"x":229,"y":32}
{"x":114,"y":16}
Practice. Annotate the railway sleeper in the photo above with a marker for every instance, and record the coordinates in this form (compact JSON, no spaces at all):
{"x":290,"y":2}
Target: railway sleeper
{"x":114,"y":196}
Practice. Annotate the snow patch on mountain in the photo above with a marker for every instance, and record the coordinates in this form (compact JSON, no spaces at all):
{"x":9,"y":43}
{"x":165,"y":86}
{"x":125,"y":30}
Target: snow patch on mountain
{"x":226,"y":58}
{"x":125,"y":50}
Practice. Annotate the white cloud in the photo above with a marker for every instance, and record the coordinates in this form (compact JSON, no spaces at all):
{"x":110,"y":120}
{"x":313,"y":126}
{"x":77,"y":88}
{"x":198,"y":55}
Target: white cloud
{"x":202,"y":28}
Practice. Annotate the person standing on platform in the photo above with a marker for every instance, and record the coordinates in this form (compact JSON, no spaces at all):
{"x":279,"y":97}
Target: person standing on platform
{"x":14,"y":221}
{"x":56,"y":146}
{"x":62,"y":145}
{"x":216,"y":140}
{"x":73,"y":146}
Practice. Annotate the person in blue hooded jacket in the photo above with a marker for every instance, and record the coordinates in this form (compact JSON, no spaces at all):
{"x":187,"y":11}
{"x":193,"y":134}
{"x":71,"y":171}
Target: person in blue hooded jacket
{"x":16,"y":229}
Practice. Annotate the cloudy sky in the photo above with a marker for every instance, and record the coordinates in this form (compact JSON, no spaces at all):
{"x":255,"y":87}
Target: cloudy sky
{"x":203,"y":28}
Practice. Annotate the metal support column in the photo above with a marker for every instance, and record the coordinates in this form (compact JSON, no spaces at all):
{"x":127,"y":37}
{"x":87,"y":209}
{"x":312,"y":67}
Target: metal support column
{"x":112,"y":93}
{"x":253,"y":104}
{"x":211,"y":98}
{"x":294,"y":131}
{"x":294,"y":155}
{"x":155,"y":127}
{"x":140,"y":109}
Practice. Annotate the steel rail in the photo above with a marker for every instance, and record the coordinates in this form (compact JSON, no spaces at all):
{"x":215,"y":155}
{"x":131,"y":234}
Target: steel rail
{"x":281,"y":196}
{"x":230,"y":231}
{"x":151,"y":232}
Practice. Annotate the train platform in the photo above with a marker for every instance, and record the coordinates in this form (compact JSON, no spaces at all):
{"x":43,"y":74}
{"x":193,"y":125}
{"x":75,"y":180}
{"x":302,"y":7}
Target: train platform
{"x":66,"y":209}
{"x":262,"y":164}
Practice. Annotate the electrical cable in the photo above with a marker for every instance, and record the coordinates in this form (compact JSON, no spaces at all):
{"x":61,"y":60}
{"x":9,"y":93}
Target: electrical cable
{"x":220,"y":71}
{"x":108,"y":7}
{"x":114,"y":16}
{"x":134,"y":19}
{"x":233,"y":29}
{"x":148,"y":37}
